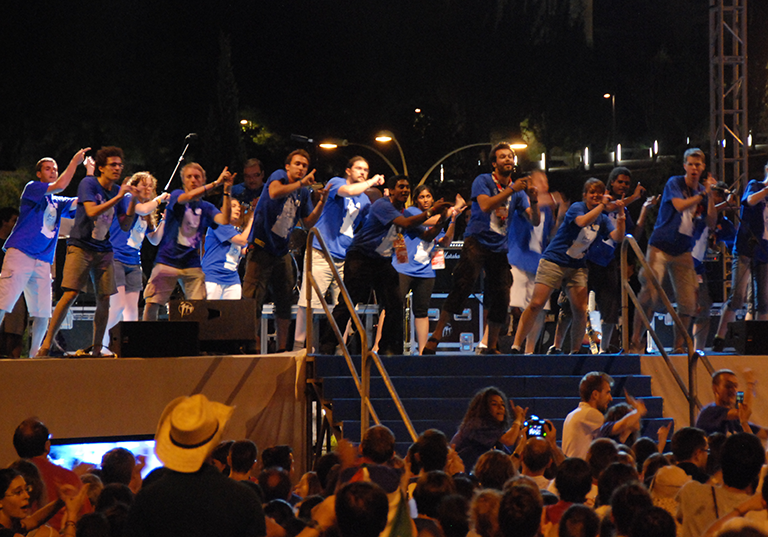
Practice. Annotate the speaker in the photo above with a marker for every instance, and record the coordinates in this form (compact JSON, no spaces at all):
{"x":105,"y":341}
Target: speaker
{"x":749,"y":337}
{"x":465,"y":330}
{"x":444,"y":277}
{"x":225,"y":325}
{"x":154,"y":339}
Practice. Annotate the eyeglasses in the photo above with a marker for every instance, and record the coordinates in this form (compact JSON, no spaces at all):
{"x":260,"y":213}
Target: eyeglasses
{"x":19,"y":491}
{"x":116,"y":165}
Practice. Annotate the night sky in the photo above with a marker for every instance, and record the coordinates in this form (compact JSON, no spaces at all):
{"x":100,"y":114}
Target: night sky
{"x":142,"y":74}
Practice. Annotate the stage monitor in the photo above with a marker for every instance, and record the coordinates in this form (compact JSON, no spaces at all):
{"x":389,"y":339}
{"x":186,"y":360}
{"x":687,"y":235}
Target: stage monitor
{"x":69,"y":452}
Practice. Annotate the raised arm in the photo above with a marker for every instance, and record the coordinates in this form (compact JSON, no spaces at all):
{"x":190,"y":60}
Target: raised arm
{"x":66,"y":177}
{"x":143,"y":209}
{"x":226,"y":179}
{"x":278,"y":189}
{"x":490,"y":203}
{"x":355,"y":189}
{"x":416,"y":219}
{"x":311,"y":220}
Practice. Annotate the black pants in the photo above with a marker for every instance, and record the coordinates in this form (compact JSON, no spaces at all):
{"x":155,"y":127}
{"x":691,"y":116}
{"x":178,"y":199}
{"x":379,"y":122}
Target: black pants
{"x":361,"y":275}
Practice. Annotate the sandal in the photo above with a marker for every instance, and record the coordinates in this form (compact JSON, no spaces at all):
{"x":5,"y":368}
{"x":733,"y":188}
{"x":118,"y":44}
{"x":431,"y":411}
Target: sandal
{"x":430,"y":350}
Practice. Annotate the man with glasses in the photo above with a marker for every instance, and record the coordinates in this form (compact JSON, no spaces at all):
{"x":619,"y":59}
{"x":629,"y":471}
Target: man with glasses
{"x":249,"y":191}
{"x":89,"y":251}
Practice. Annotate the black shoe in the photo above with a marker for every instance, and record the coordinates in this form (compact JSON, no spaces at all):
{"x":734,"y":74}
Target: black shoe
{"x":488,"y":350}
{"x":554,"y":350}
{"x":718,"y":344}
{"x":430,"y":351}
{"x":515,"y":351}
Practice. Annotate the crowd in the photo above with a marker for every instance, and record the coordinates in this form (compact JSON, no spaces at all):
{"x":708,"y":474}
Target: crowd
{"x":527,"y":241}
{"x":502,"y":474}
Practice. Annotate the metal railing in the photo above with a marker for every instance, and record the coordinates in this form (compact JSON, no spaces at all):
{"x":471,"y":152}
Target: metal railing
{"x":363,"y":379}
{"x":694,"y":356}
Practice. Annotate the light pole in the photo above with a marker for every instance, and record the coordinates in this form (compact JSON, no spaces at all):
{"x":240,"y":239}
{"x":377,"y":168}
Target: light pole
{"x":386,"y":137}
{"x":444,"y":157}
{"x":612,"y":97}
{"x":333,"y":144}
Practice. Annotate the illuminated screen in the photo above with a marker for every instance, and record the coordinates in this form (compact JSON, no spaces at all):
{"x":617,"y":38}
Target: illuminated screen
{"x":69,"y":452}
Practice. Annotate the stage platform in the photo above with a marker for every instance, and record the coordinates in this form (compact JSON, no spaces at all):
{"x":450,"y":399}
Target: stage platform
{"x":107,"y":397}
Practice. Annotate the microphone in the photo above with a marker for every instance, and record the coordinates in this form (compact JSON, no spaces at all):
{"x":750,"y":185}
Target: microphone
{"x":191,"y":137}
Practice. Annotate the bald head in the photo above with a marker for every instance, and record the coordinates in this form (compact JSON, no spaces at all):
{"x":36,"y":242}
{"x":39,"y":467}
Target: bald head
{"x":537,"y":455}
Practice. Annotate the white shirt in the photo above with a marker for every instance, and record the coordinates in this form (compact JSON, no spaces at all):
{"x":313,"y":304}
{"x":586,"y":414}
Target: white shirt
{"x":579,"y":429}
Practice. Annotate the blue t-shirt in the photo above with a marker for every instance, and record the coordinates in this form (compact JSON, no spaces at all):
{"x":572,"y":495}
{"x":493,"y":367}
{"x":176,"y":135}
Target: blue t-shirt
{"x":185,"y":226}
{"x":527,"y":243}
{"x":490,"y":229}
{"x":603,"y":252}
{"x":246,"y":195}
{"x":340,"y":218}
{"x":378,"y":234}
{"x":221,"y":256}
{"x":724,"y":232}
{"x":419,"y":263}
{"x":274,"y":219}
{"x":127,"y":244}
{"x":673,"y":232}
{"x":93,"y":234}
{"x":752,"y":237}
{"x":37,"y":228}
{"x":571,"y":242}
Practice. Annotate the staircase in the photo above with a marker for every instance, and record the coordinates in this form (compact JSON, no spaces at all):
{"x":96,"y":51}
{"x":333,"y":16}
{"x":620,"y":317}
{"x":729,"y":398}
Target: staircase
{"x":436,"y":390}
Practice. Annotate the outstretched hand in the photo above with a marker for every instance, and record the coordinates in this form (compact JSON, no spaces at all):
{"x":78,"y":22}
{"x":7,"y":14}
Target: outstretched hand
{"x":308,"y":179}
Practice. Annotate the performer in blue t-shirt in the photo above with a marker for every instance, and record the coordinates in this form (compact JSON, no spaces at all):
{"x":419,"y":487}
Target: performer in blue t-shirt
{"x":344,"y":211}
{"x":224,"y":247}
{"x":31,"y":246}
{"x":494,"y":198}
{"x":187,"y":218}
{"x":129,"y":278}
{"x":750,"y":257}
{"x":285,"y":200}
{"x":416,"y":269}
{"x":683,"y":201}
{"x":89,"y":252}
{"x":368,"y":265}
{"x":564,"y":261}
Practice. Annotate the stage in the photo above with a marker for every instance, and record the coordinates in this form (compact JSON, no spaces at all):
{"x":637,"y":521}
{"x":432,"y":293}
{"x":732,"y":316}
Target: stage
{"x":108,"y":397}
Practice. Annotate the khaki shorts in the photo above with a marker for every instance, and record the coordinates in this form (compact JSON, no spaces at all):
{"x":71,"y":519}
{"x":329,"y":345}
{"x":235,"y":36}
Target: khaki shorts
{"x":82,"y":263}
{"x":553,"y":275}
{"x":163,"y":280}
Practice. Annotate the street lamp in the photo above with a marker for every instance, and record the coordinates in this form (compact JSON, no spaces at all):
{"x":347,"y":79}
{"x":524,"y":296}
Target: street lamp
{"x":386,"y":137}
{"x":612,"y":97}
{"x":333,"y":143}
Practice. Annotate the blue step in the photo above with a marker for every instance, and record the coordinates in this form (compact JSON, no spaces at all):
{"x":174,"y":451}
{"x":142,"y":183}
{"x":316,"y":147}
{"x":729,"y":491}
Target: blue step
{"x":436,"y":390}
{"x":493,"y":365}
{"x":467,"y":386}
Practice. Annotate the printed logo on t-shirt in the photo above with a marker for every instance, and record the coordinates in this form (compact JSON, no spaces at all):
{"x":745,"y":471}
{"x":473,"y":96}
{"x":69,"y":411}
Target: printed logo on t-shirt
{"x":499,"y":218}
{"x":348,"y":224}
{"x":232,"y":258}
{"x":49,"y":219}
{"x":287,"y":218}
{"x":188,"y":232}
{"x":423,"y":252}
{"x":385,"y":246}
{"x":614,"y":217}
{"x":686,"y":221}
{"x":583,"y":241}
{"x":102,"y":222}
{"x":136,"y":236}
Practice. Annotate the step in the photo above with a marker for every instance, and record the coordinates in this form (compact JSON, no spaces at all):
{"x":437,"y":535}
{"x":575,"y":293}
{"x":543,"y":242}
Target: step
{"x":467,"y":386}
{"x":428,"y":408}
{"x":494,"y":365}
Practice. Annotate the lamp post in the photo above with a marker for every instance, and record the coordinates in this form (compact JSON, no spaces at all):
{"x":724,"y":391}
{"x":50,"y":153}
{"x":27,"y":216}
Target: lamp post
{"x":446,"y":156}
{"x":386,"y":137}
{"x":612,"y":97}
{"x":333,"y":144}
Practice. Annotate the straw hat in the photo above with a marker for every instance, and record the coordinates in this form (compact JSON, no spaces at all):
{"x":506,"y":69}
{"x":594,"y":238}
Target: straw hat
{"x":189,"y":428}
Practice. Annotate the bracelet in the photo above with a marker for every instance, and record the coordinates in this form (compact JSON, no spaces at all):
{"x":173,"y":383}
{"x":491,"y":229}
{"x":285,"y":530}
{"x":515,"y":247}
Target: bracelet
{"x":429,"y":213}
{"x":226,"y":194}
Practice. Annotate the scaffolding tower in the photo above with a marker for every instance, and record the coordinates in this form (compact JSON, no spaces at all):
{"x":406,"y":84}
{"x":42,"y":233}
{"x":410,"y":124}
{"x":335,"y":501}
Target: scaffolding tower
{"x":729,"y":130}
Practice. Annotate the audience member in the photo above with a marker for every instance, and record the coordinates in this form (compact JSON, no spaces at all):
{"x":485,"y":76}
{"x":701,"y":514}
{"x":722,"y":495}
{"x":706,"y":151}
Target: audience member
{"x":627,"y":501}
{"x":484,"y":513}
{"x":493,"y":469}
{"x":689,"y":446}
{"x":573,"y":481}
{"x":653,"y":522}
{"x":579,"y":521}
{"x":430,"y":490}
{"x":193,"y":498}
{"x":241,"y":459}
{"x":520,"y":512}
{"x":453,"y":515}
{"x":724,"y":415}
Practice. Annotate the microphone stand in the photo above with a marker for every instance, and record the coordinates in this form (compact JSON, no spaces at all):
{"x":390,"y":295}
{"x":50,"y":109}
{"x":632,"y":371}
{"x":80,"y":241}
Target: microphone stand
{"x":188,"y":139}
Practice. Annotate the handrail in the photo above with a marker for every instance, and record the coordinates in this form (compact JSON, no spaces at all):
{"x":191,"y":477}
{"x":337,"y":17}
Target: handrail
{"x":362,"y":380}
{"x":690,"y":391}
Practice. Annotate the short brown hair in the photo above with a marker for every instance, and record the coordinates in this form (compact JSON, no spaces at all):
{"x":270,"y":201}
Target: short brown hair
{"x":593,"y":381}
{"x":499,"y":147}
{"x":39,"y":165}
{"x":295,"y":152}
{"x":194,"y":165}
